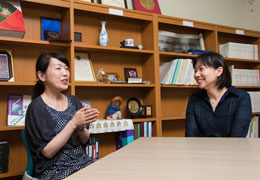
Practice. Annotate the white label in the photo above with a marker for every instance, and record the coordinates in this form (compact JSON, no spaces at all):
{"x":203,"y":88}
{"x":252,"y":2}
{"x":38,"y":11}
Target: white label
{"x":242,"y":32}
{"x":116,"y":12}
{"x":187,"y":23}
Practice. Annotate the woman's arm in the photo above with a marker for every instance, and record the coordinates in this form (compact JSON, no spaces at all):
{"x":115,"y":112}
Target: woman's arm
{"x":80,"y":119}
{"x":242,"y":117}
{"x":191,"y":127}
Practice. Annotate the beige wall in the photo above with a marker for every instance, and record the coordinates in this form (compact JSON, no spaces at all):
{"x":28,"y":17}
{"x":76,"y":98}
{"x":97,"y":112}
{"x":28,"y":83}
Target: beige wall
{"x":236,"y":13}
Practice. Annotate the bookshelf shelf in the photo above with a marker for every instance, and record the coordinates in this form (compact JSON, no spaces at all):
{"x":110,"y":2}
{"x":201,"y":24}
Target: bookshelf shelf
{"x":82,"y":84}
{"x":168,"y":101}
{"x":95,"y":48}
{"x":11,"y":128}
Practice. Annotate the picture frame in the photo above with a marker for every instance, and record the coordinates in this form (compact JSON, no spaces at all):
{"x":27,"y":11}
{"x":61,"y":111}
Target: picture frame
{"x":147,"y":111}
{"x":49,"y":24}
{"x":130,"y":73}
{"x":77,"y":36}
{"x":83,"y":67}
{"x":151,"y":6}
{"x":6,"y":66}
{"x":116,"y":3}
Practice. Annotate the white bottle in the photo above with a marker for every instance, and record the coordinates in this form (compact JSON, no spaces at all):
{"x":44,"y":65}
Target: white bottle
{"x":103,"y":38}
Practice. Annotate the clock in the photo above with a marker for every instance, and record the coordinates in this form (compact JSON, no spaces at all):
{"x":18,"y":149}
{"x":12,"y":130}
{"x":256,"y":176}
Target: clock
{"x":134,"y":107}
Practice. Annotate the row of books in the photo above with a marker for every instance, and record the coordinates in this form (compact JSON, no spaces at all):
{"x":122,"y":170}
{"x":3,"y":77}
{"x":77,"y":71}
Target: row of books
{"x":177,"y":71}
{"x":239,"y":50}
{"x":244,"y":77}
{"x":92,"y":149}
{"x":253,"y":131}
{"x":255,"y":100}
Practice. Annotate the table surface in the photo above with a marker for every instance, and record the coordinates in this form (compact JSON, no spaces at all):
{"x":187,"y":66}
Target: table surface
{"x":179,"y":158}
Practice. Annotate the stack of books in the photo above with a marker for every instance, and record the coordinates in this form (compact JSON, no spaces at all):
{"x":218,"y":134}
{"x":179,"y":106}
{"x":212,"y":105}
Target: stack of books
{"x":239,"y":50}
{"x":177,"y":72}
{"x":255,"y":100}
{"x":253,"y":130}
{"x":244,"y":77}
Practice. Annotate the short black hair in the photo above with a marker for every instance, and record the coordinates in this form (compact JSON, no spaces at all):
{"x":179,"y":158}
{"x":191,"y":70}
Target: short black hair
{"x":215,"y":61}
{"x":42,"y":64}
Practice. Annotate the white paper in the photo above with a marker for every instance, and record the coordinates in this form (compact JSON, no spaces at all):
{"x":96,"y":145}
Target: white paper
{"x":83,"y":68}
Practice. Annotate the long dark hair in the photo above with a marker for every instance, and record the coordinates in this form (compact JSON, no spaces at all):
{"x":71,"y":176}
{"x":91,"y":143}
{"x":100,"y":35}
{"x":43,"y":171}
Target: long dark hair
{"x":215,"y":61}
{"x":42,"y":65}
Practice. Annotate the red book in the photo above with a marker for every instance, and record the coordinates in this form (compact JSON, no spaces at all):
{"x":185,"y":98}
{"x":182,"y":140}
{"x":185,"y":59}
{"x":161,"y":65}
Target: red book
{"x":11,"y":19}
{"x":142,"y":129}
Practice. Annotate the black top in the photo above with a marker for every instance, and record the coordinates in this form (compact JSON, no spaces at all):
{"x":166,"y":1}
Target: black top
{"x":231,"y":118}
{"x":40,"y":130}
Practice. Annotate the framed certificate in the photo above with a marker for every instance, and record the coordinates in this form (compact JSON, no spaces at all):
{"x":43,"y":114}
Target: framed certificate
{"x":6,"y":66}
{"x":83,"y":67}
{"x":117,"y":3}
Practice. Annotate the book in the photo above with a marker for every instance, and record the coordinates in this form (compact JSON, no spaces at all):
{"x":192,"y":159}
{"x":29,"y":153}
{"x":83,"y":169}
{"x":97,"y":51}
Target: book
{"x":17,"y":107}
{"x":11,"y":19}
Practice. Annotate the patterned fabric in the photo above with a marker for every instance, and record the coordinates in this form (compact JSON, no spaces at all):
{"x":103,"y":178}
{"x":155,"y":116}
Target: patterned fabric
{"x":71,"y":157}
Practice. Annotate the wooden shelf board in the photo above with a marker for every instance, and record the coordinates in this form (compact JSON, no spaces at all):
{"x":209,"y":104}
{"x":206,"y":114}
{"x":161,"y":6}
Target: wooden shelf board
{"x":95,"y":48}
{"x":11,"y":128}
{"x":60,"y":3}
{"x":11,"y":174}
{"x":143,"y":120}
{"x":82,"y":84}
{"x":17,"y":83}
{"x":242,"y":60}
{"x":248,"y":87}
{"x":178,"y":86}
{"x":28,"y":42}
{"x":99,"y":8}
{"x":170,"y":118}
{"x":173,"y":54}
{"x":256,"y":113}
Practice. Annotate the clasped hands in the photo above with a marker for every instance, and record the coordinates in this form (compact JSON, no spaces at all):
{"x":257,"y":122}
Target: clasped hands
{"x":84,"y":116}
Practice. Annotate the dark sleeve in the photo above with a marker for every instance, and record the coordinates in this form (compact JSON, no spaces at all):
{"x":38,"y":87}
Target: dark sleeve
{"x":39,"y":132}
{"x":242,"y":117}
{"x":191,"y":127}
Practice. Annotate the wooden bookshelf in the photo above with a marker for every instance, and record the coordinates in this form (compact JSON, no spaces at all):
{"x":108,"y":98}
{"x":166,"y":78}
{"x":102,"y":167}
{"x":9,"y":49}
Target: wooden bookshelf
{"x":168,"y":101}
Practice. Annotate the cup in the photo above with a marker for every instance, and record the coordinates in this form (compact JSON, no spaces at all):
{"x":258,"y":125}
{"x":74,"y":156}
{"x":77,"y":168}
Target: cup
{"x":129,"y":42}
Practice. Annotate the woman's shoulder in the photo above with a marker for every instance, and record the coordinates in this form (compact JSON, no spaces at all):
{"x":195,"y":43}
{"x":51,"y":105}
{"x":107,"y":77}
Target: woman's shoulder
{"x":239,"y":92}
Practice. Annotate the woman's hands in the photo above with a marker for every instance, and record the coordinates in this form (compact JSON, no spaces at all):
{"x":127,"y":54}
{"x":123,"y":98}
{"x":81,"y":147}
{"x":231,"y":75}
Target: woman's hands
{"x":84,"y":116}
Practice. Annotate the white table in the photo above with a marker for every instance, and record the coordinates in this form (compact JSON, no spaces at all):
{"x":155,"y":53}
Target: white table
{"x":162,"y":158}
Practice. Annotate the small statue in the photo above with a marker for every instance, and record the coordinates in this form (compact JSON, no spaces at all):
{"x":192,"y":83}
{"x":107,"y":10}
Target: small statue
{"x":113,"y":110}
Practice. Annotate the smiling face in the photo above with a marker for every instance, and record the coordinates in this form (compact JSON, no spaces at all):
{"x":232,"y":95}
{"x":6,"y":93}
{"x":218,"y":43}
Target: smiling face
{"x":205,"y":76}
{"x":56,"y":76}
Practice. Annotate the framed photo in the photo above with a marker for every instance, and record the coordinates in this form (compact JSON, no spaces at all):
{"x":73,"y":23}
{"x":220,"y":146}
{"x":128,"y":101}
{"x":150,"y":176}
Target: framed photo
{"x":151,"y":6}
{"x":116,"y":3}
{"x":147,"y":111}
{"x":77,"y":36}
{"x":83,"y":68}
{"x":6,"y":66}
{"x":130,"y":73}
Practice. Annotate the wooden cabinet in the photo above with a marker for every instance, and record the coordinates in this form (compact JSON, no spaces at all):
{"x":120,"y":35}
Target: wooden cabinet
{"x":168,"y":101}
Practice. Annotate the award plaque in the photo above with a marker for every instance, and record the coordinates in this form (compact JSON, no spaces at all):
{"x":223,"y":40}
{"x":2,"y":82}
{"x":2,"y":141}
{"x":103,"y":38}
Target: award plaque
{"x":52,"y":35}
{"x":134,"y":107}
